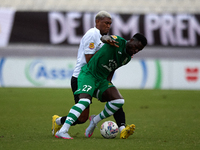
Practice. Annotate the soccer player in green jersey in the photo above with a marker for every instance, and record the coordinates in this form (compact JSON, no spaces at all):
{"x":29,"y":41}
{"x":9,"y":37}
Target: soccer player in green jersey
{"x":95,"y":80}
{"x":89,"y":45}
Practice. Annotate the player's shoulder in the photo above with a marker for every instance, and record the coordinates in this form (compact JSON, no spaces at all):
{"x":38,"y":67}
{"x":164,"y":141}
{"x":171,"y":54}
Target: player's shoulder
{"x":119,"y":39}
{"x":93,"y":31}
{"x":116,"y":37}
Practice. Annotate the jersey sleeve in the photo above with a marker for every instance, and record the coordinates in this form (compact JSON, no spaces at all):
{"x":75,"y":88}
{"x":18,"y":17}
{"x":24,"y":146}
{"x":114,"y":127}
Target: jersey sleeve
{"x":90,"y":43}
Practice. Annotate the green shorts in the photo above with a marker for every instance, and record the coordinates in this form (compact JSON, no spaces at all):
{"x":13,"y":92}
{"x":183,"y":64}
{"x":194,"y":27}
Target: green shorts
{"x":87,"y":83}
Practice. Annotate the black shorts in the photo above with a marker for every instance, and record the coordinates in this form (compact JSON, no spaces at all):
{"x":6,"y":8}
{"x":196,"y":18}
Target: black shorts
{"x":74,"y":86}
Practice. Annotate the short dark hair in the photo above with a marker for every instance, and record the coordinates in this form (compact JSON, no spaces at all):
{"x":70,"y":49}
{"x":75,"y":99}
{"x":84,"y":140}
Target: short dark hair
{"x":140,"y":37}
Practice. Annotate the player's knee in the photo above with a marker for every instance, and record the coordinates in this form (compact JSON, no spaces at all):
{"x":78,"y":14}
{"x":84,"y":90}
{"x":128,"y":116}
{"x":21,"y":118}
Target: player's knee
{"x":122,"y":101}
{"x":119,"y":101}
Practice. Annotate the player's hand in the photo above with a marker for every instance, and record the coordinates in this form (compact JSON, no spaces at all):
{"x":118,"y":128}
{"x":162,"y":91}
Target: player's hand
{"x":109,"y":40}
{"x":112,"y":42}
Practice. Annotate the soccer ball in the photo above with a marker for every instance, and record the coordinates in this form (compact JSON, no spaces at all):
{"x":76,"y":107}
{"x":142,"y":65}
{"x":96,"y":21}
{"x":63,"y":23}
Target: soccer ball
{"x":109,"y":129}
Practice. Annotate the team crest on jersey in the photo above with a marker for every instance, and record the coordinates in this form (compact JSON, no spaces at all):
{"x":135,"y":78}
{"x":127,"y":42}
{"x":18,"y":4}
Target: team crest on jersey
{"x":91,"y":46}
{"x":114,"y":37}
{"x":110,"y":84}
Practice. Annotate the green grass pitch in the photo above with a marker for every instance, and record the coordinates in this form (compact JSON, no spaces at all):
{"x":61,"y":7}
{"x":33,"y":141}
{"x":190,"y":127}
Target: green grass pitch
{"x":164,"y":119}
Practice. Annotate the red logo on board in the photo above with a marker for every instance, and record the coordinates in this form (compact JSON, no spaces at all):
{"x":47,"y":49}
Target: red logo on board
{"x":192,"y":74}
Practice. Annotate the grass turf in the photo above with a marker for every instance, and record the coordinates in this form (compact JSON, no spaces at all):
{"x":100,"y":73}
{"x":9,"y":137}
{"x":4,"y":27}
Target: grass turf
{"x":164,"y":119}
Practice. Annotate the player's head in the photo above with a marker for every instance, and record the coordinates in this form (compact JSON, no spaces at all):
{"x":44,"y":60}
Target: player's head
{"x":136,"y":44}
{"x":103,"y":22}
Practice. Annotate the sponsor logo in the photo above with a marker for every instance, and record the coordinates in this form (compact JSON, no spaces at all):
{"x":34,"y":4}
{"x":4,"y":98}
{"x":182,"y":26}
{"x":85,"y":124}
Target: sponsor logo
{"x":114,"y":37}
{"x":39,"y":73}
{"x":192,"y":74}
{"x":119,"y":52}
{"x":158,"y":78}
{"x":111,"y":65}
{"x":110,"y":84}
{"x":91,"y":46}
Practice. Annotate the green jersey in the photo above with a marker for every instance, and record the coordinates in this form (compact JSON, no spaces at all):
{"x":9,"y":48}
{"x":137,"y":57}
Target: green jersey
{"x":108,"y":59}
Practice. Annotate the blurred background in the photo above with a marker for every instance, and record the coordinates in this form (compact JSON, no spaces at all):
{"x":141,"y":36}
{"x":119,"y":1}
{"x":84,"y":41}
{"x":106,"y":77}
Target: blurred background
{"x":39,"y":41}
{"x":117,"y":6}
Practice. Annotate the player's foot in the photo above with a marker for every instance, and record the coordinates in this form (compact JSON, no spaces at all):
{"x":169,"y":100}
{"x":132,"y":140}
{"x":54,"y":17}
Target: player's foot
{"x":92,"y":116}
{"x":89,"y":131}
{"x":55,"y":126}
{"x":126,"y":132}
{"x":63,"y":135}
